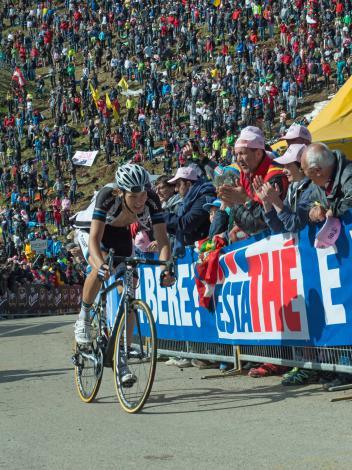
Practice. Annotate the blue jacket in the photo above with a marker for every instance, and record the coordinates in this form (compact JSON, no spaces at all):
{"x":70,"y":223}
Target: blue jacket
{"x":295,"y":213}
{"x":219,"y":224}
{"x":191,"y":222}
{"x":57,"y":248}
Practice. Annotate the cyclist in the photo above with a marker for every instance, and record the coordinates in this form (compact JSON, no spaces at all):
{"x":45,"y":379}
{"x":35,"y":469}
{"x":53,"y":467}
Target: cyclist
{"x":114,"y":209}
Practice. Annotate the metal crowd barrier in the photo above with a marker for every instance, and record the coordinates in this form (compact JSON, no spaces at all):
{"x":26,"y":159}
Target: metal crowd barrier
{"x":332,"y":359}
{"x":195,"y":350}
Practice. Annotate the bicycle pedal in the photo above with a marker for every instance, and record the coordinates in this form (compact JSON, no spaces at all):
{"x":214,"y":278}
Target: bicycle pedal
{"x":74,"y":360}
{"x":128,"y":383}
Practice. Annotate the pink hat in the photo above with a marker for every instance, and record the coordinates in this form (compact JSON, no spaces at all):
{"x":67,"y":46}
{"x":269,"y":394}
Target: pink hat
{"x":292,"y":154}
{"x":185,"y":173}
{"x":296,"y":131}
{"x":251,"y":137}
{"x":329,"y":233}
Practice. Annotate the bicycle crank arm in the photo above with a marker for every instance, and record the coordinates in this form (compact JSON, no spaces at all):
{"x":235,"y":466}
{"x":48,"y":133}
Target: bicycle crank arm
{"x":90,"y":357}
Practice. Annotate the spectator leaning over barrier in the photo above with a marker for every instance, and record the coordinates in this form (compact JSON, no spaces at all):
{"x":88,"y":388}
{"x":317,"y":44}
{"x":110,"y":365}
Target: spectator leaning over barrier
{"x":331,"y":174}
{"x":191,"y":222}
{"x":253,"y":161}
{"x":169,"y":198}
{"x":292,"y":214}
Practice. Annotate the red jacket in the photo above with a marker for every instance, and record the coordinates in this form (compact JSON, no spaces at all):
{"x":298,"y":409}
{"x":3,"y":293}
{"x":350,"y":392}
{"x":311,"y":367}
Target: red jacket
{"x":267,"y":170}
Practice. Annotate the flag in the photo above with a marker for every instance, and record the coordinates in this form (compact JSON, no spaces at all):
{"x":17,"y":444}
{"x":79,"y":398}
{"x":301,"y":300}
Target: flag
{"x":109,"y":105}
{"x":107,"y":101}
{"x":94,"y":93}
{"x":123,"y":84}
{"x":18,"y":77}
{"x":216,"y":3}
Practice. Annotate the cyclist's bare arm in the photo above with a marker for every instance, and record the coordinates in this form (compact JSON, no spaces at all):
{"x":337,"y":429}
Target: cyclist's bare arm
{"x":160,"y":234}
{"x":161,"y":237}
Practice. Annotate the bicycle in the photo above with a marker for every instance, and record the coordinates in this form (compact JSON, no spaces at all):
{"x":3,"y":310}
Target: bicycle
{"x":112,"y":347}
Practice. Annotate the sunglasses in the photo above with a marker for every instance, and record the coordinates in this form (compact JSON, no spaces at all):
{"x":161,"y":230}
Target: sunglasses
{"x":137,"y":189}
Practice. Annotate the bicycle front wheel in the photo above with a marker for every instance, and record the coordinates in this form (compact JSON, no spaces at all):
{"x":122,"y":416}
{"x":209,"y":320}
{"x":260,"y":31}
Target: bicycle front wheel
{"x":135,"y":356}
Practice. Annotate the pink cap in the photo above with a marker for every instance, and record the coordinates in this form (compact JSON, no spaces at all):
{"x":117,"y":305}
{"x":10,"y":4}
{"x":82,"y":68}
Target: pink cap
{"x":251,"y":137}
{"x":296,"y":131}
{"x":328,"y":234}
{"x":292,"y":154}
{"x":185,"y":173}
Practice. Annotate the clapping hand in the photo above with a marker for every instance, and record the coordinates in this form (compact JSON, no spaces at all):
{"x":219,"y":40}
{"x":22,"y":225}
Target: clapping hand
{"x":318,"y":214}
{"x":265,"y":191}
{"x":232,"y":194}
{"x":269,"y":194}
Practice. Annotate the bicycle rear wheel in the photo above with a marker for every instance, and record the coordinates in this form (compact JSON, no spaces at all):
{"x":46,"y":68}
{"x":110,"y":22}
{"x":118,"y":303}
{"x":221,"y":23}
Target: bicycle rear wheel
{"x":139,"y":357}
{"x":88,"y":362}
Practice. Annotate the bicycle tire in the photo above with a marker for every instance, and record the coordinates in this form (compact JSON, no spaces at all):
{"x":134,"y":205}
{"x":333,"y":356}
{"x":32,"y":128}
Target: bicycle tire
{"x":88,"y":393}
{"x":143,"y":353}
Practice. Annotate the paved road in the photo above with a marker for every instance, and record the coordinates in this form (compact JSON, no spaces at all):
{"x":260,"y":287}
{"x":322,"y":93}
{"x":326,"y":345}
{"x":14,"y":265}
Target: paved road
{"x":188,"y":422}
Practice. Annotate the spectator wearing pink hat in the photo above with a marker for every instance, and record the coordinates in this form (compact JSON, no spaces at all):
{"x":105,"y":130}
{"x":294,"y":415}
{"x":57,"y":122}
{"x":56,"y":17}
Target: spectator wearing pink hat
{"x":331,"y":174}
{"x":297,"y":134}
{"x":246,"y":207}
{"x":292,"y":214}
{"x":191,"y":221}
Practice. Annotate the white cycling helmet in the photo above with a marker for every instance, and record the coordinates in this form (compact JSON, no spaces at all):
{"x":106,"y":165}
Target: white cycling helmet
{"x":132,"y":178}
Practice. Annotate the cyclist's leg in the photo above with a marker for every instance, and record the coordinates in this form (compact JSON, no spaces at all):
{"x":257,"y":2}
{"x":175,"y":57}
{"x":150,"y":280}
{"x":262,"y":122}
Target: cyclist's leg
{"x":131,"y":320}
{"x":90,"y":291}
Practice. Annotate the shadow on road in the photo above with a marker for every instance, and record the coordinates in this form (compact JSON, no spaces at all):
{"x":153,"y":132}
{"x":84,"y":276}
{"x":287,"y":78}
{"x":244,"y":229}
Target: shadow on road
{"x":216,"y":399}
{"x":24,"y":329}
{"x":197,"y":400}
{"x":25,"y":374}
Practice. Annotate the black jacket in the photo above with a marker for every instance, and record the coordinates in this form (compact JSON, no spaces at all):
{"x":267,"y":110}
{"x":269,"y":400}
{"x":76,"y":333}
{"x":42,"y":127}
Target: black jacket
{"x":339,"y":200}
{"x":250,"y":216}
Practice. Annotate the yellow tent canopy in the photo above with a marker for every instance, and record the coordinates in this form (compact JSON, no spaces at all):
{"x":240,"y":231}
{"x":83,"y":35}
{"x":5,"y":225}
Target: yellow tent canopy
{"x":333,"y":125}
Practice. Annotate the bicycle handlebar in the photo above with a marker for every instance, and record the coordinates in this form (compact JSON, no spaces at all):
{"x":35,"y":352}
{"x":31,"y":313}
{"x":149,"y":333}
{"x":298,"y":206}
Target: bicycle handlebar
{"x":134,"y":261}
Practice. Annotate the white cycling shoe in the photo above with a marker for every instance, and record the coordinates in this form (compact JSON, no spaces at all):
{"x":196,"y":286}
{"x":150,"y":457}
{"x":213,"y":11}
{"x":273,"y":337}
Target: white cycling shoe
{"x":83,"y":332}
{"x":127,"y":378}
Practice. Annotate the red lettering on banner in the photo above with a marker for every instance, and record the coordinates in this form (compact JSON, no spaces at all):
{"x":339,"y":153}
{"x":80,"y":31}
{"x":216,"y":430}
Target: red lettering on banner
{"x":291,"y":242}
{"x":230,"y":262}
{"x":290,"y":292}
{"x":221,"y":274}
{"x":255,"y":269}
{"x":272,"y":291}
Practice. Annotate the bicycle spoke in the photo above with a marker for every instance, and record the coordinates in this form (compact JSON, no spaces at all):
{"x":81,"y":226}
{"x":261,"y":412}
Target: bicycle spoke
{"x":138,"y":360}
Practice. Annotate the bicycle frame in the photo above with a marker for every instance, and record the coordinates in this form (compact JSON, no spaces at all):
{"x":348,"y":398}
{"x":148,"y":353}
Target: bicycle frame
{"x":127,"y":296}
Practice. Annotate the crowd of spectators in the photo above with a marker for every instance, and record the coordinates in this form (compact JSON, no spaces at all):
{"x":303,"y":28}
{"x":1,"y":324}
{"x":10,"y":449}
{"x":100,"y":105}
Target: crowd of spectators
{"x":31,"y":255}
{"x":205,"y":89}
{"x":265,"y":194}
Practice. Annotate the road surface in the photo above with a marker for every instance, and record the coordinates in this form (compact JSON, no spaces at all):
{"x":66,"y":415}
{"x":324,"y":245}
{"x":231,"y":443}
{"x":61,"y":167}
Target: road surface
{"x":188,"y":423}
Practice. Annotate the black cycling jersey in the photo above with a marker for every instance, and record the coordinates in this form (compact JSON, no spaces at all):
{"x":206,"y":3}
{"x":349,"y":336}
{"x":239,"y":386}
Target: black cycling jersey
{"x":108,"y":207}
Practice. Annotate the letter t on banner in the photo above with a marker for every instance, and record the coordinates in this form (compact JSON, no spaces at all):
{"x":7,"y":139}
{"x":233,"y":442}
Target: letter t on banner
{"x":272,"y":290}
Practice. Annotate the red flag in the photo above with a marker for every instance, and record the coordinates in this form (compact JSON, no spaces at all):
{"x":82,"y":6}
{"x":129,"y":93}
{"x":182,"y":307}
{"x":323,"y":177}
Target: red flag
{"x":18,"y":77}
{"x":206,"y":273}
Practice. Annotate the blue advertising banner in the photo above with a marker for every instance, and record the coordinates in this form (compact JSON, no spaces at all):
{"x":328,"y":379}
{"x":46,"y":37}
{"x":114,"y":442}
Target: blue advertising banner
{"x":271,"y":290}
